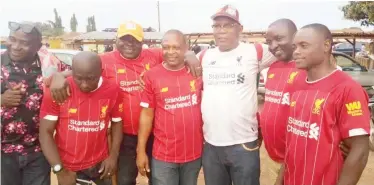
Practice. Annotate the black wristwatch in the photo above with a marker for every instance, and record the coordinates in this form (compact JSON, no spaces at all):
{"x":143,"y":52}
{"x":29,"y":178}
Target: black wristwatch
{"x":57,"y":168}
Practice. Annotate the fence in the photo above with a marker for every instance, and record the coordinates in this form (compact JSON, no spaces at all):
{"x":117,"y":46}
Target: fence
{"x":367,"y":62}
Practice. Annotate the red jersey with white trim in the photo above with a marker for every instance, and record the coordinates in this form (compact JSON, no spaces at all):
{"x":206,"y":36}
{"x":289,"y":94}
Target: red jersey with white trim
{"x":176,"y":99}
{"x":125,"y":73}
{"x":273,"y":120}
{"x":81,"y":131}
{"x":322,"y":114}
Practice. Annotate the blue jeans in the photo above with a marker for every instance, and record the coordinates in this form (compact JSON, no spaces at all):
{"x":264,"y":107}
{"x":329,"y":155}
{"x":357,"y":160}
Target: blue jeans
{"x":30,"y":169}
{"x":164,"y":173}
{"x":238,"y":164}
{"x":127,"y":169}
{"x":84,"y":177}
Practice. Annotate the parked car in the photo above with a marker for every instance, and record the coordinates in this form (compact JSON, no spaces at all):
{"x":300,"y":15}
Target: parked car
{"x":65,"y":56}
{"x":347,"y":48}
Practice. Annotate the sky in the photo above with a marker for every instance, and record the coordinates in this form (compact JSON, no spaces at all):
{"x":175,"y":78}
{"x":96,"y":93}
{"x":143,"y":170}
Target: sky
{"x":189,"y":16}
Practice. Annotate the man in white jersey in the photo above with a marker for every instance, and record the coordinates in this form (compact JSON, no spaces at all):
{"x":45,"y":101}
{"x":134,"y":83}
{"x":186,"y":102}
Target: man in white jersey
{"x":229,"y":104}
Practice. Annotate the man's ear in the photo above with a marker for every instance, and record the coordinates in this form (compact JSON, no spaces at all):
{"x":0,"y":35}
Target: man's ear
{"x":327,"y":46}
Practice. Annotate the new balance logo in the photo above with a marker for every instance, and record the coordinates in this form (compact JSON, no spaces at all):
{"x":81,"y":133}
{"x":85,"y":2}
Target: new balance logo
{"x":212,"y":62}
{"x":240,"y":79}
{"x":314,"y":131}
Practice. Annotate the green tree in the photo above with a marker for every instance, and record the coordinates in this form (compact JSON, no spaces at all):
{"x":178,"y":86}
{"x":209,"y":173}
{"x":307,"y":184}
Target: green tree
{"x":91,"y":24}
{"x":46,"y":28}
{"x":58,"y":29}
{"x":362,"y":11}
{"x":73,"y":23}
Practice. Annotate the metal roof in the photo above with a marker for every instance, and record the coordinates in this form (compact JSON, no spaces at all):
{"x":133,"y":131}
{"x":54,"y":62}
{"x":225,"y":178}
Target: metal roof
{"x":100,"y":35}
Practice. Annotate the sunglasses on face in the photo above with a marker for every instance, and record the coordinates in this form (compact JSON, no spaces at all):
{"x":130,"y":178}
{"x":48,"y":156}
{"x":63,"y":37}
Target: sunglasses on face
{"x":26,"y":28}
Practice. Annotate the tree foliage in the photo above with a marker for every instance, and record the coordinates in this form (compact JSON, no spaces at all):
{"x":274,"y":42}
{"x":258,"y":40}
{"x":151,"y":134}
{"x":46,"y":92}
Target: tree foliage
{"x":362,"y":11}
{"x":91,"y":24}
{"x":73,"y":23}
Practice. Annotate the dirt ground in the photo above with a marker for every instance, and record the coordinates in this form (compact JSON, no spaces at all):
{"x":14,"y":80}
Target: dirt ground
{"x":269,"y":171}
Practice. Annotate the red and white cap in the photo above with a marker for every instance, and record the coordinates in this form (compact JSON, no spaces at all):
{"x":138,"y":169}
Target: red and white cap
{"x":228,"y":11}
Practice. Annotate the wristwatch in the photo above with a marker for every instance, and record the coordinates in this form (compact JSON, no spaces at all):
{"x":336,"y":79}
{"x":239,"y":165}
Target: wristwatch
{"x":57,"y":168}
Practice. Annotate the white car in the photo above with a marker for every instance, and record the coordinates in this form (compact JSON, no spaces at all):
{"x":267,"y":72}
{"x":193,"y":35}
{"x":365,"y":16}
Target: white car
{"x":65,"y":56}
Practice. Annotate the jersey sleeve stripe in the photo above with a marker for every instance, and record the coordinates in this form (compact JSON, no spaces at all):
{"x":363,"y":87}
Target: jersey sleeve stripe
{"x":51,"y":117}
{"x":357,"y":132}
{"x":144,"y":104}
{"x":116,"y":119}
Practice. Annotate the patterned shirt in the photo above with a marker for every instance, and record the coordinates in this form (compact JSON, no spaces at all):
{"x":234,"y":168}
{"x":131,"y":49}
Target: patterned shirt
{"x":20,"y":125}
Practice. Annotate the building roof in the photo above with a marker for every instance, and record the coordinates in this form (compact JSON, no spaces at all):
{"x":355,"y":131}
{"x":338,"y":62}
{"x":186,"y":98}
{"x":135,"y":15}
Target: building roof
{"x":100,"y":35}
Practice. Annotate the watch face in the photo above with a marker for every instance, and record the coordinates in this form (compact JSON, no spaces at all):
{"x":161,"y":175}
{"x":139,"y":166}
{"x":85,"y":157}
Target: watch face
{"x":57,"y":168}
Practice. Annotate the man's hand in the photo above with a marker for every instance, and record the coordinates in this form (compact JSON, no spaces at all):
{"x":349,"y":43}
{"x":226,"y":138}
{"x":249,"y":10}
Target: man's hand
{"x":59,"y":88}
{"x":108,"y":166}
{"x":143,"y":163}
{"x":12,"y":97}
{"x":345,"y":149}
{"x":66,"y":177}
{"x":193,"y":64}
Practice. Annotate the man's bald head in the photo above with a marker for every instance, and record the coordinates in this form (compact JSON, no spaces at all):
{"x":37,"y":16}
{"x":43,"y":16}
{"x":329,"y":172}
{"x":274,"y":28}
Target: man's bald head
{"x":279,"y":37}
{"x":289,"y":24}
{"x":87,"y":61}
{"x":176,"y":34}
{"x":86,"y":70}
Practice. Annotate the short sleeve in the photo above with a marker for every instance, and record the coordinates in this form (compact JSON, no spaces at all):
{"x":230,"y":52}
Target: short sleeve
{"x":267,"y":58}
{"x":158,"y":54}
{"x":49,"y":109}
{"x":148,"y":95}
{"x":354,"y":115}
{"x":117,"y":111}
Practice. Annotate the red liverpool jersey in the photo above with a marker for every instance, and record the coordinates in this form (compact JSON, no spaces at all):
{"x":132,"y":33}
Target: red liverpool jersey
{"x":322,"y":114}
{"x":81,"y":132}
{"x":176,"y":98}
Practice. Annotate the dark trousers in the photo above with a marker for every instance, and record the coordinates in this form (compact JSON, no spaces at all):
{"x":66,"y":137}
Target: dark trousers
{"x":30,"y":169}
{"x":87,"y":176}
{"x":127,"y":169}
{"x":238,"y":164}
{"x":165,"y":173}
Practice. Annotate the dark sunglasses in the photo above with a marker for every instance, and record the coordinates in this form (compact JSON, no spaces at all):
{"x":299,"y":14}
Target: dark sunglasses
{"x":25,"y":27}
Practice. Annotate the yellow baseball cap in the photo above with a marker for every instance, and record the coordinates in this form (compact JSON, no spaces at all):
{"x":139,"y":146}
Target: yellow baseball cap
{"x":131,"y":28}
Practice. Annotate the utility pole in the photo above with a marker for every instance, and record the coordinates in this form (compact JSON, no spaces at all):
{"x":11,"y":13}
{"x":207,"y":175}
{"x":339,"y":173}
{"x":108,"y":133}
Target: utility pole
{"x":158,"y":12}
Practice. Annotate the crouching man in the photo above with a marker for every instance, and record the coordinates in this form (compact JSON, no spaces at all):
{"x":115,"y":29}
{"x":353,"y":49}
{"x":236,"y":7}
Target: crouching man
{"x":79,"y":153}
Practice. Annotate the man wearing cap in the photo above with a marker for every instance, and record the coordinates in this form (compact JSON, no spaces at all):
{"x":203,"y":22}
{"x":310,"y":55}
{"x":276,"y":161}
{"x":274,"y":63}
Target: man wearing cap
{"x":22,"y":72}
{"x":231,"y":151}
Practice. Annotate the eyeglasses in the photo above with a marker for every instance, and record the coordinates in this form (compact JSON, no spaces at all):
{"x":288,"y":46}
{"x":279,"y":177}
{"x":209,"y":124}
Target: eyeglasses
{"x":223,"y":27}
{"x":25,"y":27}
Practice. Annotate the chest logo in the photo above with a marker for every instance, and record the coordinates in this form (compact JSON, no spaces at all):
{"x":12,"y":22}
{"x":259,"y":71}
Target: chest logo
{"x":73,"y":111}
{"x":165,"y":89}
{"x":239,"y":60}
{"x":317,"y":106}
{"x":271,"y":76}
{"x":103,"y":111}
{"x":121,"y":71}
{"x":192,"y":85}
{"x":292,"y":76}
{"x":147,"y":67}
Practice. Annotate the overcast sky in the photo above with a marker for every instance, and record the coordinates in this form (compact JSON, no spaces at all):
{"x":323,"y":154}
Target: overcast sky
{"x":188,"y":16}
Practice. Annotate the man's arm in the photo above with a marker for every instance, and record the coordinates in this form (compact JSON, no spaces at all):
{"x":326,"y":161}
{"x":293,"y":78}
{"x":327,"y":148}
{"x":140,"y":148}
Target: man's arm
{"x":49,"y":113}
{"x":280,"y":178}
{"x":116,"y":130}
{"x":354,"y":125}
{"x":356,"y":160}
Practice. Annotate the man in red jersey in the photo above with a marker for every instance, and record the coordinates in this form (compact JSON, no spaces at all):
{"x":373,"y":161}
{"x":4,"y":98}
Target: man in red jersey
{"x":80,"y":153}
{"x":171,"y":98}
{"x":326,"y":108}
{"x":280,"y":76}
